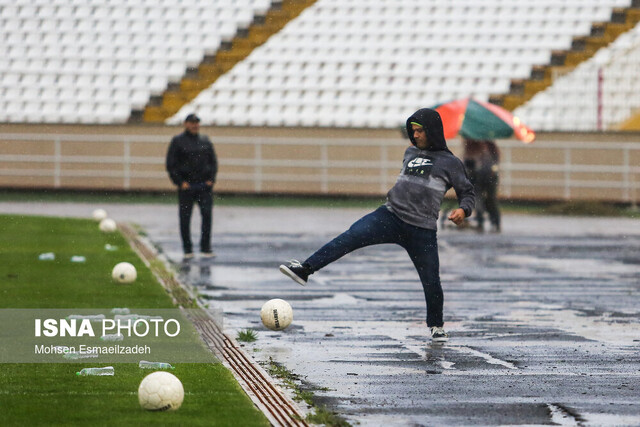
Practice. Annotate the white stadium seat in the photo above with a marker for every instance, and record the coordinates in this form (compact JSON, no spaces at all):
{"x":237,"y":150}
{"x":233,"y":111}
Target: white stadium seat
{"x":467,"y":48}
{"x":105,"y":48}
{"x":335,"y":61}
{"x":596,"y":95}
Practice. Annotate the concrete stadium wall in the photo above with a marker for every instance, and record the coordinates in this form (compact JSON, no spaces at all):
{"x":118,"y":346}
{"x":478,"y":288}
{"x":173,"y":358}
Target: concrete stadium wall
{"x":558,"y":166}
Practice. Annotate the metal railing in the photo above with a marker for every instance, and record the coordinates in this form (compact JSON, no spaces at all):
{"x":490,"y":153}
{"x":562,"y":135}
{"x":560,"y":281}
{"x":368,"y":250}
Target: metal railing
{"x":53,"y":161}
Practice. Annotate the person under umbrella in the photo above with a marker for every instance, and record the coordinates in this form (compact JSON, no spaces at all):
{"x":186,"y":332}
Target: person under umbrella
{"x":481,"y":159}
{"x":479,"y":123}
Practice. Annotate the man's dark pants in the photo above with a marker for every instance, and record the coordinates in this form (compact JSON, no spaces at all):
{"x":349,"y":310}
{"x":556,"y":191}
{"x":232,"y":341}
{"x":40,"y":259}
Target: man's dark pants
{"x":486,"y":189}
{"x":383,"y":226}
{"x":204,"y":198}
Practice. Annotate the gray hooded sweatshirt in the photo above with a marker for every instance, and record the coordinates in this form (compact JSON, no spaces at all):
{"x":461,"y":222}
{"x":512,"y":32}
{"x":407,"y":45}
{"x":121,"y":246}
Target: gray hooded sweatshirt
{"x":427,"y":175}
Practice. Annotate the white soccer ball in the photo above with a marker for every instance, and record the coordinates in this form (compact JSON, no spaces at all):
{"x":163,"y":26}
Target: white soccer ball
{"x":160,"y":391}
{"x":124,"y":272}
{"x":276,"y":314}
{"x":107,"y":225}
{"x":99,"y":214}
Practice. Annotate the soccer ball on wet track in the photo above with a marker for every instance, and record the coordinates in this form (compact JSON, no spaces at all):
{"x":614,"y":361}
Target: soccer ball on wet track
{"x":276,"y":314}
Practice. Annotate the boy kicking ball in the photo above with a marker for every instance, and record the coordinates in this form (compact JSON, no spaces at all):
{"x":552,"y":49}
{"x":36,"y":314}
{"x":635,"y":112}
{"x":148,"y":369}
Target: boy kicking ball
{"x":410,"y":215}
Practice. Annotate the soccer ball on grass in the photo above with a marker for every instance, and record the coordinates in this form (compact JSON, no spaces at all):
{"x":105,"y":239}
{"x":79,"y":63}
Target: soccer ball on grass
{"x":276,"y":314}
{"x":124,"y":272}
{"x":107,"y":225}
{"x":99,"y":214}
{"x":160,"y":391}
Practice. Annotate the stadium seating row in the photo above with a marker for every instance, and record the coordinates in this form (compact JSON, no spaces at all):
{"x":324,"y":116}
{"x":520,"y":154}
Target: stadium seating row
{"x":384,"y":57}
{"x":596,"y":95}
{"x":442,"y":50}
{"x":114,"y":53}
{"x":64,"y":112}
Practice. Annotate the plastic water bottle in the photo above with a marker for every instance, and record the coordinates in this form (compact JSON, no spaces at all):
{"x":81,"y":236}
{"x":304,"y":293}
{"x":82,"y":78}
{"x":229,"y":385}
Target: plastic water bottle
{"x":133,"y":317}
{"x":154,"y":365}
{"x":48,"y":256}
{"x":61,"y":349}
{"x":112,"y":337}
{"x":76,"y":356}
{"x":108,"y":370}
{"x":78,"y":258}
{"x":91,"y":317}
{"x":122,"y":310}
{"x":110,"y":247}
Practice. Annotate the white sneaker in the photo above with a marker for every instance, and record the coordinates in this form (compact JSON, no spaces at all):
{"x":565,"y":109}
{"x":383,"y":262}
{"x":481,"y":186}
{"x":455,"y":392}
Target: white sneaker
{"x":438,"y":334}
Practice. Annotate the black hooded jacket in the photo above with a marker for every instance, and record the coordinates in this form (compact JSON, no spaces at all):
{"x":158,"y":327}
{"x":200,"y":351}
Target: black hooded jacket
{"x":191,"y":158}
{"x":432,"y":124}
{"x":427,"y":175}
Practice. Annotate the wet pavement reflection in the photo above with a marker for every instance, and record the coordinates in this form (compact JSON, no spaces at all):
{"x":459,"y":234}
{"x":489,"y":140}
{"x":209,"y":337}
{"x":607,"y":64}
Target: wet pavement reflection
{"x":545,"y":328}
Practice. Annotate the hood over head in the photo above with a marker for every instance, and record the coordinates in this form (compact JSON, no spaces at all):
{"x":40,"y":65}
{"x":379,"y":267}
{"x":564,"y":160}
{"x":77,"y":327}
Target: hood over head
{"x":432,"y":123}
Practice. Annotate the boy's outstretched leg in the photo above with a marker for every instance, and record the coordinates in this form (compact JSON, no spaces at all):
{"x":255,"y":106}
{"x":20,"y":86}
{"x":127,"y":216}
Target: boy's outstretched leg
{"x":380,"y":226}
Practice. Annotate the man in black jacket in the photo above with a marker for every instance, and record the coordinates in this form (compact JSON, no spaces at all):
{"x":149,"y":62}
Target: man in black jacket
{"x":192,"y":166}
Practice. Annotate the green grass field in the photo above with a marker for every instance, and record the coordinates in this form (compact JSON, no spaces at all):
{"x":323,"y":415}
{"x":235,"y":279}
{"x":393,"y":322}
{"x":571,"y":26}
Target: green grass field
{"x":51,"y":394}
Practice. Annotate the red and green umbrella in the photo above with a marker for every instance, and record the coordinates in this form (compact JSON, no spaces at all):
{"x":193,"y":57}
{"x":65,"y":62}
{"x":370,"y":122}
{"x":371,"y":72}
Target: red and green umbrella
{"x":475,"y":119}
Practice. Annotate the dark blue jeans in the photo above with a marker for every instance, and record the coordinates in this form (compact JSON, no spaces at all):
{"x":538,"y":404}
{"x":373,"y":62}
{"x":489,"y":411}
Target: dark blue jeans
{"x":204,"y":198}
{"x":382,"y":226}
